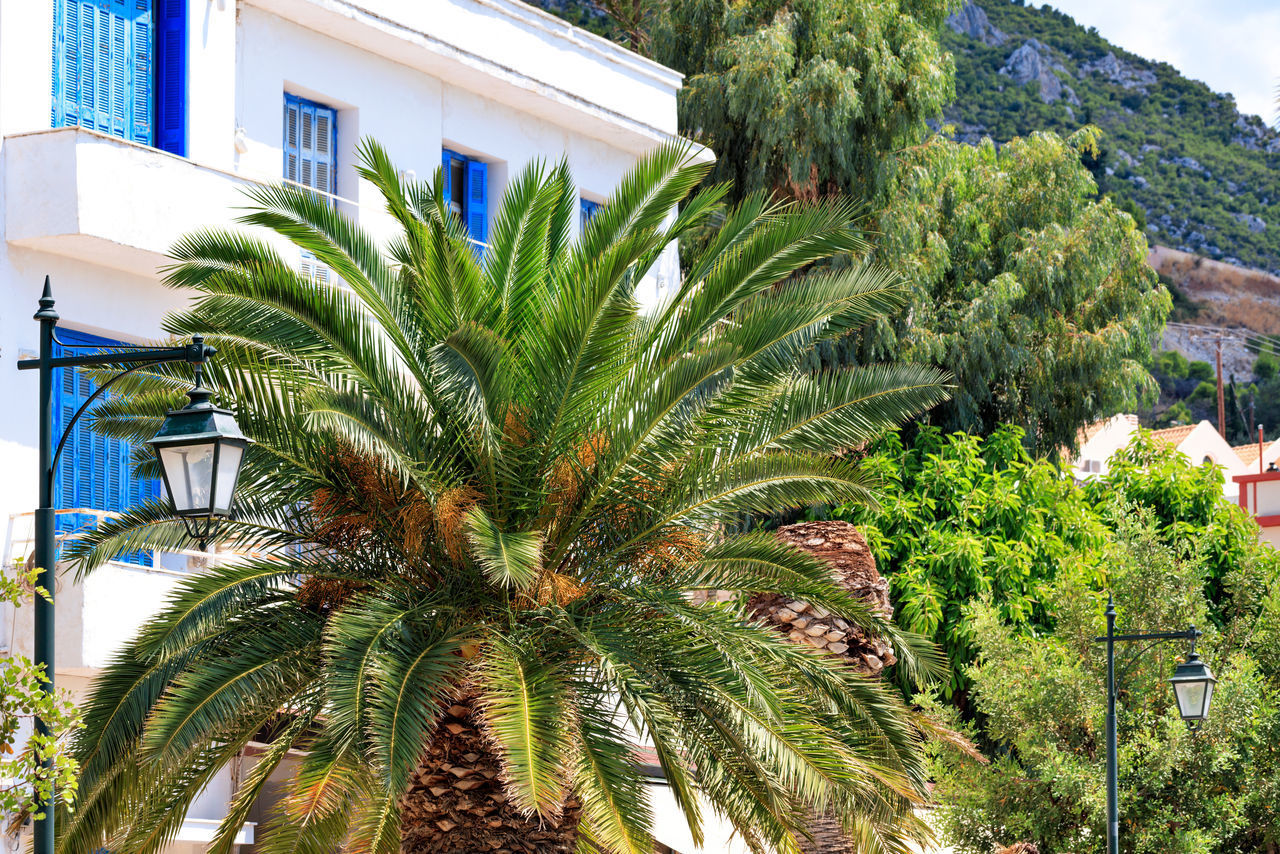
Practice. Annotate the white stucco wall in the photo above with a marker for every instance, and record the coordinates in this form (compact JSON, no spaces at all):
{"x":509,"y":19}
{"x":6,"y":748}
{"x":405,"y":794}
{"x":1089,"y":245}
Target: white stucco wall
{"x":1095,"y":454}
{"x":1205,"y":443}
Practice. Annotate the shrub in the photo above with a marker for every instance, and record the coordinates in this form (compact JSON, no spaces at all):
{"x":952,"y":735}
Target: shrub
{"x":1206,"y":392}
{"x":1199,"y":370}
{"x":1265,"y":366}
{"x":1172,"y":364}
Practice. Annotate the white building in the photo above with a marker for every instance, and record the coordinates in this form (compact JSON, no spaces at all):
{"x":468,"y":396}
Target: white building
{"x":1201,"y":443}
{"x":126,"y":123}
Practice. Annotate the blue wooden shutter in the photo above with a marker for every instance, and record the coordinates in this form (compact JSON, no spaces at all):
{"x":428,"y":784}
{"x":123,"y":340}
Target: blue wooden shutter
{"x":324,"y":154}
{"x":477,"y":213}
{"x":95,"y":471}
{"x":141,"y":72}
{"x":102,"y":66}
{"x":446,"y":163}
{"x":66,"y":63}
{"x":310,"y":144}
{"x":170,"y":75}
{"x":292,"y":122}
{"x":587,"y":209}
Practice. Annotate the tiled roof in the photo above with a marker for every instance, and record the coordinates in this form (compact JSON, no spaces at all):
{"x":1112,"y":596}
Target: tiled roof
{"x":1247,"y":453}
{"x":1173,"y":435}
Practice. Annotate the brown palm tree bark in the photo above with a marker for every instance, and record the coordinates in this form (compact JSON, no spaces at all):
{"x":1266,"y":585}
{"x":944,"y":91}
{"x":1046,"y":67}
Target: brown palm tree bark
{"x":455,"y":803}
{"x":853,"y":567}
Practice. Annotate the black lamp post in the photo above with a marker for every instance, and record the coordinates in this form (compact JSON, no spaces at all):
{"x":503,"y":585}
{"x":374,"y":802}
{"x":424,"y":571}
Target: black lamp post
{"x":200,"y":449}
{"x":1192,"y":687}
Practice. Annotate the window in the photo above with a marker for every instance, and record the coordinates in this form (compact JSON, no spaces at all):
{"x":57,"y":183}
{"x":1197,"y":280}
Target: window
{"x":587,"y":209}
{"x":315,"y":272}
{"x":466,"y":186}
{"x":94,"y":471}
{"x":120,"y":67}
{"x":310,"y":144}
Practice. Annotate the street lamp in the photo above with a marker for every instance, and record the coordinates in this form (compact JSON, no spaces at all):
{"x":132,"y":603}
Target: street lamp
{"x":1192,"y":687}
{"x":200,"y":449}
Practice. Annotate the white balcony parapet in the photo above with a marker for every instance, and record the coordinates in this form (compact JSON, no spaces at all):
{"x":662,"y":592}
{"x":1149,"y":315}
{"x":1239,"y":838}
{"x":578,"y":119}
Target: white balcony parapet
{"x":83,"y":194}
{"x":511,"y":53}
{"x":202,"y":830}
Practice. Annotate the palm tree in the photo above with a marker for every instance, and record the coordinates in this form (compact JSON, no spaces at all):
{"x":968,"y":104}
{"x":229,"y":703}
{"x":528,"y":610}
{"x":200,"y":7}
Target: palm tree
{"x":487,"y":485}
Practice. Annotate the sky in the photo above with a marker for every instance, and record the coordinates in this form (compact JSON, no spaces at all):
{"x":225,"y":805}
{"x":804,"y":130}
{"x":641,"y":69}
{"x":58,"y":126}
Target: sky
{"x":1232,"y":45}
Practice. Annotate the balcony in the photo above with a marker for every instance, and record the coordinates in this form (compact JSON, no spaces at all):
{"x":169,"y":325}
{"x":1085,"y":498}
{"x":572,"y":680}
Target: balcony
{"x":83,"y":194}
{"x":79,"y":193}
{"x":94,"y":618}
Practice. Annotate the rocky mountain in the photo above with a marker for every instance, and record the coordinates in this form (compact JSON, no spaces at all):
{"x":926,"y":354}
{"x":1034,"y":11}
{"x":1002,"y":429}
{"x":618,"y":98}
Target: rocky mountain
{"x":1200,"y":176}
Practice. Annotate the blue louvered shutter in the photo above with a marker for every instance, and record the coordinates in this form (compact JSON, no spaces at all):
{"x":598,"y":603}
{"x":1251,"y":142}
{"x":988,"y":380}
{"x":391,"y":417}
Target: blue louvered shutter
{"x":477,"y":213}
{"x":170,"y":75}
{"x":292,"y":121}
{"x":102,"y":66}
{"x":94,"y":471}
{"x":310,"y":144}
{"x":587,"y":209}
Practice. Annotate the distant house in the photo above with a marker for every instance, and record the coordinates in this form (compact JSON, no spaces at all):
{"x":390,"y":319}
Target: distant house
{"x":1258,"y":458}
{"x":1260,"y":495}
{"x":1200,"y":443}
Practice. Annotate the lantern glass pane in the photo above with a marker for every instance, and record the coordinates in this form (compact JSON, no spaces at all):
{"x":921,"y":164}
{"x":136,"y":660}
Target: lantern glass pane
{"x":228,"y":471}
{"x":1191,"y":698}
{"x":1208,"y":697}
{"x":189,"y":471}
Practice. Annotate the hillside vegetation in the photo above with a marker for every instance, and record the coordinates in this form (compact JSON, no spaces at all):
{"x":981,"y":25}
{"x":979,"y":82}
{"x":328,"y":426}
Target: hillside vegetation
{"x":1197,"y":174}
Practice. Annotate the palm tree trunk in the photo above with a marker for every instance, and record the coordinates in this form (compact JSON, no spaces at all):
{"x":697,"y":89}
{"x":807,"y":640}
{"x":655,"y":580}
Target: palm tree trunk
{"x":844,"y":548}
{"x":828,"y":838}
{"x":455,"y":803}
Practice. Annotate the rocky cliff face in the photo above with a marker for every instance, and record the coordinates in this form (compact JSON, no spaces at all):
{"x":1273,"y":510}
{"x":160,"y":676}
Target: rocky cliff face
{"x":1033,"y":62}
{"x":970,"y":20}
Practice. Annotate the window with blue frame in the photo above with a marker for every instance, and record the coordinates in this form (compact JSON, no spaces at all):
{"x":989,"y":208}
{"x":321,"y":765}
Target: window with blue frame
{"x":310,"y":144}
{"x":466,"y":186}
{"x":95,"y":472}
{"x":120,"y":67}
{"x":587,"y":209}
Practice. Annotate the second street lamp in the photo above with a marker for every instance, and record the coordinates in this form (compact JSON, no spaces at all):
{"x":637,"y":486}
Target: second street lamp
{"x":203,"y":442}
{"x":1192,"y":687}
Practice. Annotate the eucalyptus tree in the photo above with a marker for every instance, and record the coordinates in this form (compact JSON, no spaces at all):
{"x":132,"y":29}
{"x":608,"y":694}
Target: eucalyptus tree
{"x":485,"y":486}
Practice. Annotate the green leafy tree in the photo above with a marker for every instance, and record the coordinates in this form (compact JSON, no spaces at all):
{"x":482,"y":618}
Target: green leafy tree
{"x":1185,"y":500}
{"x":806,"y":98}
{"x":41,"y":764}
{"x":1203,"y":393}
{"x":489,"y":485}
{"x":1043,"y":700}
{"x":1199,"y":370}
{"x":1175,"y":415}
{"x":1173,"y":364}
{"x":964,"y":517}
{"x":1266,"y":366}
{"x":1036,"y":296}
